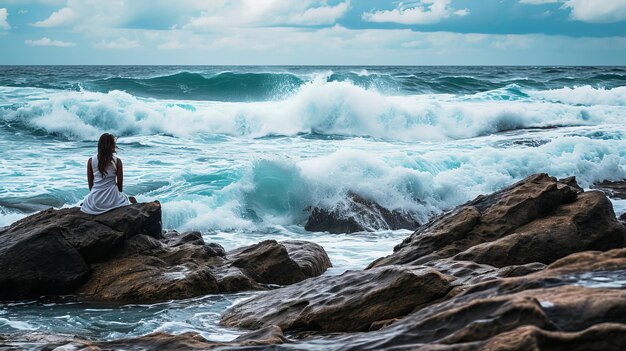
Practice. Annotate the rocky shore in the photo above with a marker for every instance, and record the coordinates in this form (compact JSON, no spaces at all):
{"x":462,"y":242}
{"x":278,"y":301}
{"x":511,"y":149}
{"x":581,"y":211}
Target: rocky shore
{"x":539,"y":265}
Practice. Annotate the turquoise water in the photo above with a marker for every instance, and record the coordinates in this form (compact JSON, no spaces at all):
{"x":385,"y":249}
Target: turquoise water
{"x":243,"y":153}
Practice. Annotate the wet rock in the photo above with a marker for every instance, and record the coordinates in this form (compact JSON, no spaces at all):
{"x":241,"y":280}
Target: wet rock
{"x":147,"y":270}
{"x":358,"y":214}
{"x":476,"y":318}
{"x":49,"y":253}
{"x":174,"y":238}
{"x":271,"y":335}
{"x":124,"y":256}
{"x":349,"y":302}
{"x":615,"y":189}
{"x":270,"y":262}
{"x":538,"y":219}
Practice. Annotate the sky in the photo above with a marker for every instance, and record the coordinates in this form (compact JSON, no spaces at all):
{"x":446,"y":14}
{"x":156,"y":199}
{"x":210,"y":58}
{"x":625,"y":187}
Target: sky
{"x":313,"y":32}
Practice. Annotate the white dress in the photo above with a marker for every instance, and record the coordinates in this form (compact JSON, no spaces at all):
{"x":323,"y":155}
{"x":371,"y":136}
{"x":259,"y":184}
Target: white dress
{"x":104,"y":195}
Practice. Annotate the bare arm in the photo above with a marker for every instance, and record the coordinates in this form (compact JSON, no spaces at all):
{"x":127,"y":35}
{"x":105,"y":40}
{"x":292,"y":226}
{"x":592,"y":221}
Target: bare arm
{"x":89,"y":175}
{"x":120,"y":175}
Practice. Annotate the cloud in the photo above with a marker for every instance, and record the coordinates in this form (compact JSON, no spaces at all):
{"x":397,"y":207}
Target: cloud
{"x":594,"y":12}
{"x":250,"y":13}
{"x":419,"y":12}
{"x":171,"y":45}
{"x":118,"y":44}
{"x":4,"y":23}
{"x":45,"y":41}
{"x":591,"y":11}
{"x":64,"y":17}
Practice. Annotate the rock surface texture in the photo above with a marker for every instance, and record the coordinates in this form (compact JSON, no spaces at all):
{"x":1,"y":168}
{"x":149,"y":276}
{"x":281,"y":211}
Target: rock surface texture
{"x":538,"y":219}
{"x":538,"y":265}
{"x":358,"y":214}
{"x":124,"y":256}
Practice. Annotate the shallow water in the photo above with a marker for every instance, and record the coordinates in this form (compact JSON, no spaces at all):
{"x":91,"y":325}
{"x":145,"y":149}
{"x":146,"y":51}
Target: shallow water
{"x":243,"y":153}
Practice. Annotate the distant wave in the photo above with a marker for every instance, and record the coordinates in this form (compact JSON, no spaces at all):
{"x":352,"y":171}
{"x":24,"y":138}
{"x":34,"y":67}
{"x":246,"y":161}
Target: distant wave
{"x":319,"y":107}
{"x":236,"y":85}
{"x":227,"y":86}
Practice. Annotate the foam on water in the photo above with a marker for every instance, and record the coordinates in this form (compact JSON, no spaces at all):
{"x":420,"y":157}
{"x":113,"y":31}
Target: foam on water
{"x":320,"y":107}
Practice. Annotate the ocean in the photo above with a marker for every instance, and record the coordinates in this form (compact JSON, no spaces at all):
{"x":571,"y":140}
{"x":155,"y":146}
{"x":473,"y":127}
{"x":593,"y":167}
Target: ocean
{"x":243,"y":153}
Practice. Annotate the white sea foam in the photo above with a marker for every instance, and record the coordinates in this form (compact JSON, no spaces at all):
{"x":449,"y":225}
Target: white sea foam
{"x":331,"y":108}
{"x":279,"y":191}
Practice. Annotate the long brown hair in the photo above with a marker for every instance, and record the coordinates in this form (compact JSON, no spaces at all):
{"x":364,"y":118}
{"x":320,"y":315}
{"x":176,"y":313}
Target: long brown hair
{"x":106,"y":149}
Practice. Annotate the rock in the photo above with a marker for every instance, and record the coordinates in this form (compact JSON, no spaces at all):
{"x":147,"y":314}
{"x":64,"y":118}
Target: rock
{"x":612,"y":189}
{"x":476,"y":319}
{"x":535,"y":220}
{"x":49,"y":253}
{"x":349,"y":302}
{"x":124,"y":256}
{"x":271,"y":335}
{"x":146,"y":270}
{"x":269,"y":262}
{"x":173,"y":238}
{"x":606,"y":337}
{"x":358,"y":214}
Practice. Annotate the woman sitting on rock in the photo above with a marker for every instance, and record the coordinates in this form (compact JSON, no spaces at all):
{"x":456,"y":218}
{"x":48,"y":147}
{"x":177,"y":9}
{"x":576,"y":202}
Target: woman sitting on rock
{"x":105,"y":177}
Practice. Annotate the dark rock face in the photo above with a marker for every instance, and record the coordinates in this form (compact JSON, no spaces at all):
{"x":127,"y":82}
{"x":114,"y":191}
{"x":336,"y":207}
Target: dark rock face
{"x":538,"y":219}
{"x":349,"y":302}
{"x":357,"y":215}
{"x":612,"y":189}
{"x":271,"y":335}
{"x":123,"y":256}
{"x":49,"y":253}
{"x":548,"y":308}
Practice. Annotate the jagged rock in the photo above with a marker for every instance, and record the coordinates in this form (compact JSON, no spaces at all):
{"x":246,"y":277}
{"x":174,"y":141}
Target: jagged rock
{"x":475,"y":318}
{"x":288,"y":262}
{"x":349,"y":302}
{"x":612,"y":189}
{"x":124,"y":256}
{"x":271,"y":335}
{"x":147,"y":270}
{"x":535,"y":220}
{"x":358,"y":214}
{"x":49,"y":253}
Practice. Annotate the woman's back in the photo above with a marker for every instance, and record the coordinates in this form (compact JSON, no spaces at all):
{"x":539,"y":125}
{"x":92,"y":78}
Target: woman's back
{"x":104,"y":175}
{"x":109,"y":178}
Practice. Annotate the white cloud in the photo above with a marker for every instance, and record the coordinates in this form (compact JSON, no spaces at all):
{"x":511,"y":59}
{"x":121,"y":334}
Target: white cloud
{"x":594,"y":11}
{"x":416,"y":12}
{"x":64,"y":17}
{"x":242,"y":13}
{"x":118,"y":44}
{"x":171,"y":45}
{"x":45,"y":41}
{"x":4,"y":23}
{"x":591,"y":11}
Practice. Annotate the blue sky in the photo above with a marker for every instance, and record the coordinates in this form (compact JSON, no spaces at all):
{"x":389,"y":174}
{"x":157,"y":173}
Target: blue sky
{"x":314,"y":32}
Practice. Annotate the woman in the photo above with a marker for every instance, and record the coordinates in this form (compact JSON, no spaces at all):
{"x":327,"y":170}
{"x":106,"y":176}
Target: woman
{"x":105,"y":177}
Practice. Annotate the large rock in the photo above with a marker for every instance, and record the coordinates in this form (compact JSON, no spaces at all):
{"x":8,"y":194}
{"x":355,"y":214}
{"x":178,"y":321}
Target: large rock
{"x":271,"y":335}
{"x":146,"y":270}
{"x":358,"y":214}
{"x":616,"y":189}
{"x":538,"y":219}
{"x":124,"y":256}
{"x":49,"y":253}
{"x":349,"y":302}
